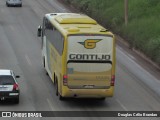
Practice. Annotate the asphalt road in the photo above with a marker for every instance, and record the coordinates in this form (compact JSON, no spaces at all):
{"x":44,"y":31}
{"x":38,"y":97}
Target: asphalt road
{"x":137,"y":85}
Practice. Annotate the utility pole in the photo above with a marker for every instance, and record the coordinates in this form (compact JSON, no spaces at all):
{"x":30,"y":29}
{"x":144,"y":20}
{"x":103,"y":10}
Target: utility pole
{"x":126,"y":11}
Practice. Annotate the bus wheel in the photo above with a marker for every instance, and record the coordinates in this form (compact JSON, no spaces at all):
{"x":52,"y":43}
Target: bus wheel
{"x":44,"y":66}
{"x":60,"y":97}
{"x":56,"y":86}
{"x":47,"y":73}
{"x":57,"y":93}
{"x":54,"y":80}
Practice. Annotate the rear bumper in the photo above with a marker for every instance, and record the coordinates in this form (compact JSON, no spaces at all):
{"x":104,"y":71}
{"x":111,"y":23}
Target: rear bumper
{"x":87,"y":93}
{"x":9,"y":94}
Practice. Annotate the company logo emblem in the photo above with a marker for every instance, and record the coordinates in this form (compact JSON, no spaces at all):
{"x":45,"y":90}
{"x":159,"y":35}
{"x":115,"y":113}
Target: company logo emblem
{"x":90,"y":43}
{"x":6,"y":114}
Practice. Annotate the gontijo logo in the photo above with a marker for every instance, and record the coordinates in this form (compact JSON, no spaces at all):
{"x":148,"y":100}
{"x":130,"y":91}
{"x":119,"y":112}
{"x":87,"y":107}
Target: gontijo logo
{"x":90,"y":43}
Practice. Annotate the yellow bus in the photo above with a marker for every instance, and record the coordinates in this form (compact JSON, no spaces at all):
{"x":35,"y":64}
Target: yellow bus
{"x":78,"y":55}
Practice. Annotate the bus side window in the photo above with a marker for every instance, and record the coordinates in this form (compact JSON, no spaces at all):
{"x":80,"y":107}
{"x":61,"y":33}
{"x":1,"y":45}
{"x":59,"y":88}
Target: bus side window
{"x":54,"y":36}
{"x":58,"y":40}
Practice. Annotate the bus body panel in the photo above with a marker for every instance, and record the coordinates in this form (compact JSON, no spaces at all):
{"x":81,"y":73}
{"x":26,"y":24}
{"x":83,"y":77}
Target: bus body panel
{"x":86,"y":59}
{"x":88,"y":93}
{"x":89,"y":62}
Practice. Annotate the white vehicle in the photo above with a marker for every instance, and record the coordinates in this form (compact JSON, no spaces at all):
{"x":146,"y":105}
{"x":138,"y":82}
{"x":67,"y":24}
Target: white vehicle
{"x":14,"y":3}
{"x":8,"y":86}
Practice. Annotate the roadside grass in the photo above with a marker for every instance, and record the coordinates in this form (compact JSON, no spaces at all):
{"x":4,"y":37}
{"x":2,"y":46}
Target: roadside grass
{"x":143,"y":28}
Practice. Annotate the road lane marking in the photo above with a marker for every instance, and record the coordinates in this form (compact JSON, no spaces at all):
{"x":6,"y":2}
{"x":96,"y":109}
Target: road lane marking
{"x":131,"y":56}
{"x":50,"y":104}
{"x":118,"y":47}
{"x":140,"y":67}
{"x":126,"y":56}
{"x":28,"y":60}
{"x":122,"y":105}
{"x":125,"y":53}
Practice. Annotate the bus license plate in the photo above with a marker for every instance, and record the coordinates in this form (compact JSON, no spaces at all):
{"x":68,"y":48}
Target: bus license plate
{"x":88,"y":86}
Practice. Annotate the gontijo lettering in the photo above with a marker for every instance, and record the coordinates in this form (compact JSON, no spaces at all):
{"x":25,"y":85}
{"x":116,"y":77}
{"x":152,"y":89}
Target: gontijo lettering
{"x":89,"y":57}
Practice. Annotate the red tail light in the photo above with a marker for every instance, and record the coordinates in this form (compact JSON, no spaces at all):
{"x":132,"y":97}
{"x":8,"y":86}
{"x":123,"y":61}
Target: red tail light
{"x":65,"y":77}
{"x":15,"y":87}
{"x":113,"y":80}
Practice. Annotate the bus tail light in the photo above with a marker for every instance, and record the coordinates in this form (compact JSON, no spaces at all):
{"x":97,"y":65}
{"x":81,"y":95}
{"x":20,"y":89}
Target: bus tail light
{"x":65,"y":77}
{"x":112,"y":80}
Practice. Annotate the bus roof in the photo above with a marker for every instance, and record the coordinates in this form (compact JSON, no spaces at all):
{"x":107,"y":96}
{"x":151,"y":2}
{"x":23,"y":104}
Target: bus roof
{"x":73,"y":23}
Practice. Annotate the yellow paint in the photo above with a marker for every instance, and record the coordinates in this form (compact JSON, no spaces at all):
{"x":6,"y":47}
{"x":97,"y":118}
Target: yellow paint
{"x":69,"y":24}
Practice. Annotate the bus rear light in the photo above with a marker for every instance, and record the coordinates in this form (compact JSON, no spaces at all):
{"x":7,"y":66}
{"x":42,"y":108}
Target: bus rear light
{"x":65,"y":77}
{"x":113,"y":80}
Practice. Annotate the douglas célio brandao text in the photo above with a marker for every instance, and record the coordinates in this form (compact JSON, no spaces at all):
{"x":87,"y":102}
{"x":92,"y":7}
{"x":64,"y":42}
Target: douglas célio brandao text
{"x":134,"y":114}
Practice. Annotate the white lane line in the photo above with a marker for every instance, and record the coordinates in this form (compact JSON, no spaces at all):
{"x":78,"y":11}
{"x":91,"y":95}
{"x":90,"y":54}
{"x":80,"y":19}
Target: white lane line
{"x":119,"y":47}
{"x":140,"y":67}
{"x":28,"y":60}
{"x":50,"y":104}
{"x":124,"y":52}
{"x":126,"y":55}
{"x":131,"y":56}
{"x":122,"y":105}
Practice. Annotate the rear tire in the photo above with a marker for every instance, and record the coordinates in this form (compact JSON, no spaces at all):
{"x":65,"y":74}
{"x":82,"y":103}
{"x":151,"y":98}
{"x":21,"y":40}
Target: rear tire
{"x":54,"y":80}
{"x":44,"y":66}
{"x":57,"y":93}
{"x":20,"y":5}
{"x":56,"y":87}
{"x":61,"y":98}
{"x":47,"y":73}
